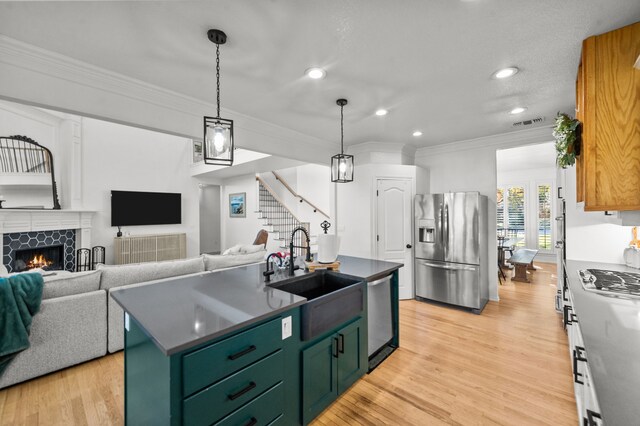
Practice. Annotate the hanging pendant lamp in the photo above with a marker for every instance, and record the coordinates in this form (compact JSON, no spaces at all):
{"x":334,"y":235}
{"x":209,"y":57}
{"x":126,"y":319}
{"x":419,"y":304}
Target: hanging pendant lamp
{"x":342,"y":164}
{"x":218,"y":132}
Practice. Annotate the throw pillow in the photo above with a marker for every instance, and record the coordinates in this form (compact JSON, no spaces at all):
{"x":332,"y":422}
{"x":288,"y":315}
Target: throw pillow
{"x":250,"y":248}
{"x":3,"y":271}
{"x":68,"y":284}
{"x":233,"y":250}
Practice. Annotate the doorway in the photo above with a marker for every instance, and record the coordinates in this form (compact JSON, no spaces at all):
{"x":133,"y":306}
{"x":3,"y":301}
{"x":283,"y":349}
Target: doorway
{"x":209,"y":219}
{"x":525,"y":201}
{"x":394,"y":218}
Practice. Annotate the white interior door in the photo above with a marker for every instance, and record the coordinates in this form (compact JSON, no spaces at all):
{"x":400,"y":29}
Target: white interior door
{"x":394,"y":231}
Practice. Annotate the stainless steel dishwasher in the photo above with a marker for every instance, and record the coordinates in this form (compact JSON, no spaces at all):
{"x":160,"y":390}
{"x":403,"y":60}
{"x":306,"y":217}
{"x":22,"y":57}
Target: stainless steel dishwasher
{"x":380,"y":319}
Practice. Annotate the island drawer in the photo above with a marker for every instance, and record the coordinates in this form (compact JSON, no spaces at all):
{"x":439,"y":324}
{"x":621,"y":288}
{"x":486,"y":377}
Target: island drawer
{"x":262,"y":411}
{"x":214,"y":402}
{"x":208,"y":365}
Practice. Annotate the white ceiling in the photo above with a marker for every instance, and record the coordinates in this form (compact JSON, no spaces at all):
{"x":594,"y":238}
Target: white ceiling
{"x":540,"y":156}
{"x":428,"y":62}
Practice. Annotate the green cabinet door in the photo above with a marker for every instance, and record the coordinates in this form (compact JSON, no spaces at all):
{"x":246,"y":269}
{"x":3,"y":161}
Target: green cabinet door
{"x":352,"y":356}
{"x":319,"y":377}
{"x":331,"y":366}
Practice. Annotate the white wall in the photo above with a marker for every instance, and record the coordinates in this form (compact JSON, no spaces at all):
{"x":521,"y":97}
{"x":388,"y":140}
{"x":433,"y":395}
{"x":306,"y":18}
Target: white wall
{"x":310,"y":180}
{"x":592,"y":236}
{"x":242,"y":230}
{"x":210,"y":218}
{"x":117,"y":157}
{"x":356,"y":203}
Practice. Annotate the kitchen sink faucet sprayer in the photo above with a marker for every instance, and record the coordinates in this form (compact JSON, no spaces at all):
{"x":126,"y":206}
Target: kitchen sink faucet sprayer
{"x":292,"y":268}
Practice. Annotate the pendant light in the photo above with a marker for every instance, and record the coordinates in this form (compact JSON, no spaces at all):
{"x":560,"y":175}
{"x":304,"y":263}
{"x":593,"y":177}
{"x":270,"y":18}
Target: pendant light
{"x":218,"y":132}
{"x":342,"y":164}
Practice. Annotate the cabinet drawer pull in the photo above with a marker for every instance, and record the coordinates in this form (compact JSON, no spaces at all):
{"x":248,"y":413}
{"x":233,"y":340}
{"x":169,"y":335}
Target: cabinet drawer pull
{"x":578,"y":353}
{"x":238,"y":394}
{"x":566,"y":316}
{"x":252,"y":421}
{"x":341,"y":343}
{"x":335,"y":347}
{"x":242,"y":353}
{"x":591,"y":415}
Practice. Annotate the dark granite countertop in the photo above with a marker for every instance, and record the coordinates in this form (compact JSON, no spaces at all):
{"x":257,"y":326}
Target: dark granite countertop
{"x":610,"y":328}
{"x":369,"y":269}
{"x":182,"y":312}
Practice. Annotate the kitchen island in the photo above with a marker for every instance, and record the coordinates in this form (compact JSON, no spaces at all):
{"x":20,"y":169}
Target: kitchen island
{"x":604,"y":335}
{"x":226,"y":348}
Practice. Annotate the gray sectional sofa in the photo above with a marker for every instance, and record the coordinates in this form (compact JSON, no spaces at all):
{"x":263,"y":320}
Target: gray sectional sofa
{"x":79,"y":321}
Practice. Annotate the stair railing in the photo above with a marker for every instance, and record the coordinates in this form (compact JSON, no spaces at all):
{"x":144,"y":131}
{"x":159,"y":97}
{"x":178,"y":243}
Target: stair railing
{"x":300,"y":197}
{"x":278,"y":216}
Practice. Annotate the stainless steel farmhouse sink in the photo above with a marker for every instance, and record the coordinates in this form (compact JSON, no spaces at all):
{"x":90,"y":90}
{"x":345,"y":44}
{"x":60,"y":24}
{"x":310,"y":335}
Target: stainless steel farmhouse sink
{"x":332,"y":299}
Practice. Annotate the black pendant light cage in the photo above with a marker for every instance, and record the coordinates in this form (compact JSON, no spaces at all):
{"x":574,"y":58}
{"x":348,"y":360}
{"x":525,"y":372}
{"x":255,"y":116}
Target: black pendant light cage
{"x":218,"y":141}
{"x":218,"y":132}
{"x":342,"y":164}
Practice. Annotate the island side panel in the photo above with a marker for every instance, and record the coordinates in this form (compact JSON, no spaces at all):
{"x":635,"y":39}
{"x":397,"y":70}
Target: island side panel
{"x":292,"y":378}
{"x":395,"y":307}
{"x":147,"y":380}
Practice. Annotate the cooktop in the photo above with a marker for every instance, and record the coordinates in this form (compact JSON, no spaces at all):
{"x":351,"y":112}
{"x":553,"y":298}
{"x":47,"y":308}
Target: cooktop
{"x":614,"y":283}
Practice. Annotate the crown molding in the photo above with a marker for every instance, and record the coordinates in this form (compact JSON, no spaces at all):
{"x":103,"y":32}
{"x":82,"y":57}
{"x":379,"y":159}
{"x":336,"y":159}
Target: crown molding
{"x":386,"y":147}
{"x":502,"y":140}
{"x":31,"y":113}
{"x":35,"y":59}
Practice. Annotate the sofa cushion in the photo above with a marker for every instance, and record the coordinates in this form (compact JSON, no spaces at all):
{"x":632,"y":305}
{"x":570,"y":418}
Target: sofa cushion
{"x":66,"y":284}
{"x":232,"y":250}
{"x":216,"y":261}
{"x":250,"y":248}
{"x":3,"y":271}
{"x":117,"y":275}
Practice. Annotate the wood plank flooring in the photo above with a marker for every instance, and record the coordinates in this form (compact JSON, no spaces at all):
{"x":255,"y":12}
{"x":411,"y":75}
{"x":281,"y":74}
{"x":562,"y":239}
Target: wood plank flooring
{"x":508,"y":366}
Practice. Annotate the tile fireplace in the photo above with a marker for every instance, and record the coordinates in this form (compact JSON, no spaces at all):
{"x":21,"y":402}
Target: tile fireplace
{"x":22,"y":229}
{"x":44,"y":249}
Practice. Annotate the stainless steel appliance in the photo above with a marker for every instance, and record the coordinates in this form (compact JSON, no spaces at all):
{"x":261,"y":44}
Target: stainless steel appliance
{"x":561,"y":253}
{"x":611,"y":283}
{"x":451,"y":249}
{"x":380,"y":319}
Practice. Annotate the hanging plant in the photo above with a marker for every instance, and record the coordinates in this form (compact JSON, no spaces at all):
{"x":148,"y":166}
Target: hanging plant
{"x":568,"y":135}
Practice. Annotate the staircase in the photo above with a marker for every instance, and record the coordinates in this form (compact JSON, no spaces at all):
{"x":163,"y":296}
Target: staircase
{"x":278,"y":219}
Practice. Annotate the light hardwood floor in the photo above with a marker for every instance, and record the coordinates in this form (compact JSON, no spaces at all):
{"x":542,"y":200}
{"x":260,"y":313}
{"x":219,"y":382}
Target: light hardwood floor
{"x":508,"y":366}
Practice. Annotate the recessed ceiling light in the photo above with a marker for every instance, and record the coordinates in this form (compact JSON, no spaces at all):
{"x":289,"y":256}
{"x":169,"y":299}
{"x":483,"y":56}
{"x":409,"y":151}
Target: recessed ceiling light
{"x":381,"y":112}
{"x":517,"y":110}
{"x":316,"y":73}
{"x":506,"y":72}
{"x":417,"y":133}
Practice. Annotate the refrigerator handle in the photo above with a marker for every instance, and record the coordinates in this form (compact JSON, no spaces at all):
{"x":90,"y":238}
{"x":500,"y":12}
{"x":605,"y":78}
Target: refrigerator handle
{"x":446,"y":225}
{"x":447,"y":266}
{"x":441,"y":219}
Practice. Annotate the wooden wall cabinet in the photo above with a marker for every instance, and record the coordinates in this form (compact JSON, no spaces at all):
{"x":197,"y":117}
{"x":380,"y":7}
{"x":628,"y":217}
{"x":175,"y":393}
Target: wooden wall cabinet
{"x":608,"y":105}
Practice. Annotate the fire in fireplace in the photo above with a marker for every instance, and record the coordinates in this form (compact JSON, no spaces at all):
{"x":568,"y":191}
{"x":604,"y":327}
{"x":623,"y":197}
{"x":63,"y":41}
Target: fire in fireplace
{"x":48,"y":258}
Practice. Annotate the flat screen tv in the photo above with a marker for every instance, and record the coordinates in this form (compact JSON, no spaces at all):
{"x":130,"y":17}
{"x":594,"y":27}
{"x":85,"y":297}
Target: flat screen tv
{"x":129,"y":208}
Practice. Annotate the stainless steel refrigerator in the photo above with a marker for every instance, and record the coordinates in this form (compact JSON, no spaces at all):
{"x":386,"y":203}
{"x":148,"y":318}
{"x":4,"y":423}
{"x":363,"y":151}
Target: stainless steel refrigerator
{"x":451,"y":249}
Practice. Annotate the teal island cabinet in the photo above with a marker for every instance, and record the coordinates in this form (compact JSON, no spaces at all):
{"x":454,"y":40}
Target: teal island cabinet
{"x":226,"y":348}
{"x":249,"y":377}
{"x":331,"y":365}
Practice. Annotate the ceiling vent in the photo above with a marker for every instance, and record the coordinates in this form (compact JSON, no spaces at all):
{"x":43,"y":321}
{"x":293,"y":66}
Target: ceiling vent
{"x":526,"y":123}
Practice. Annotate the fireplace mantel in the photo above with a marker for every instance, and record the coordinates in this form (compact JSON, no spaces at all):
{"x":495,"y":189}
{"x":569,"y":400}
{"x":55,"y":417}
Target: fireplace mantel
{"x":23,"y":220}
{"x":27,"y":220}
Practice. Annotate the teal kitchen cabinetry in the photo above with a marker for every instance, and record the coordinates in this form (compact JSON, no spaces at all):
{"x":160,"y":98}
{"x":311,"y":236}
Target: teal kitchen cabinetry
{"x":248,"y":377}
{"x":331,"y":365}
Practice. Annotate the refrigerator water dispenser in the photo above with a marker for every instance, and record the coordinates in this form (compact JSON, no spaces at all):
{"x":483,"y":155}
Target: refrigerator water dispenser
{"x":427,"y":231}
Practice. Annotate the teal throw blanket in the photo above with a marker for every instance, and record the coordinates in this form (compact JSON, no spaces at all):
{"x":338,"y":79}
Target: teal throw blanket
{"x":20,"y":297}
